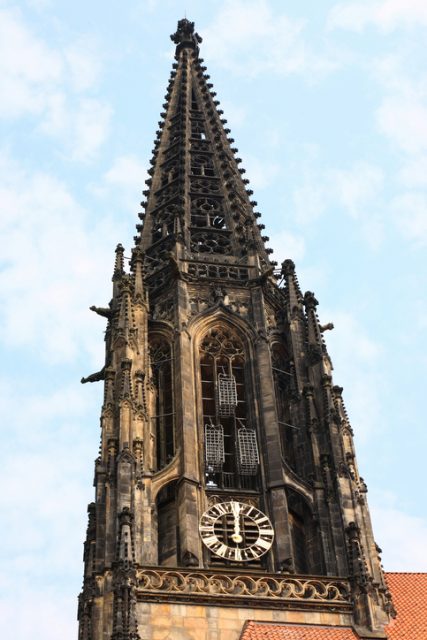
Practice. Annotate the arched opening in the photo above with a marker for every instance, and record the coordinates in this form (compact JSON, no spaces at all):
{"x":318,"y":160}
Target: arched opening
{"x":231,"y":450}
{"x":305,"y":538}
{"x":167,"y":526}
{"x":164,"y":418}
{"x":282,"y":377}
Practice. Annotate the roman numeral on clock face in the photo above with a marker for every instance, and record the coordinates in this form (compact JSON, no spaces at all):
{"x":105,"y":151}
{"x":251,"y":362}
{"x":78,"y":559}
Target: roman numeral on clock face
{"x":264,"y":544}
{"x":210,"y":541}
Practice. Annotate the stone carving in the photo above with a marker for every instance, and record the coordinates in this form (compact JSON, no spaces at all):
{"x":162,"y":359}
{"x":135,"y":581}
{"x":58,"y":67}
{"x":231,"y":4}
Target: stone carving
{"x":94,"y":377}
{"x":210,"y":242}
{"x":224,"y":272}
{"x":252,"y":500}
{"x":164,"y":310}
{"x":262,"y":588}
{"x":205,"y":186}
{"x":239,"y":307}
{"x":198,"y":303}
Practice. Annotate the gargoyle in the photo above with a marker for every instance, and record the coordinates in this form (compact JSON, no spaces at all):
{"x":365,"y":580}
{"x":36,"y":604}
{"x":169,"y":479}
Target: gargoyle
{"x":94,"y":377}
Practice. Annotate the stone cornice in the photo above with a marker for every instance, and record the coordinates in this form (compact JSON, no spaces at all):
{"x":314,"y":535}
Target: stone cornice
{"x":243,"y":589}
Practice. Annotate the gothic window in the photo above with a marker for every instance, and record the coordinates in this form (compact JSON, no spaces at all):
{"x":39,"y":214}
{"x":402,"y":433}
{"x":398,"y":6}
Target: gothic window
{"x":175,"y":131}
{"x":204,"y":242}
{"x":202,"y":165}
{"x":194,"y":104}
{"x":198,"y":130}
{"x":231,"y":450}
{"x":296,"y":525}
{"x":169,"y":173}
{"x":169,"y":191}
{"x":164,"y":222}
{"x":207,"y":212}
{"x":205,"y":186}
{"x":305,"y":538}
{"x":199,"y":145}
{"x":161,"y":364}
{"x":281,"y":377}
{"x":167,"y":526}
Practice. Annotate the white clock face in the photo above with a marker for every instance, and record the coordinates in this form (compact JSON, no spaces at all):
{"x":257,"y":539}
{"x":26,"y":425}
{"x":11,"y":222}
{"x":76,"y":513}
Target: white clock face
{"x":236,"y":531}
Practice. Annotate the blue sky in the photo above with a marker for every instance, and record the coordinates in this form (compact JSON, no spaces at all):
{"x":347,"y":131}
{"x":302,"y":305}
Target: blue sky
{"x":327,"y":102}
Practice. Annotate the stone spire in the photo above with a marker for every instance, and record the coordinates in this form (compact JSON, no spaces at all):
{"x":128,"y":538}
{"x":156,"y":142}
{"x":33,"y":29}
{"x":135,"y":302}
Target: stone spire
{"x":198,"y":205}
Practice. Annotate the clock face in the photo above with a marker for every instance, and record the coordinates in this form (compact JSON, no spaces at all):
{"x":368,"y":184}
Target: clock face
{"x":236,"y":531}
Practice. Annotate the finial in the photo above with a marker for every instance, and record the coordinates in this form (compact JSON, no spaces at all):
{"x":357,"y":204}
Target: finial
{"x":119,"y":263}
{"x":288,"y":268}
{"x":310,"y":301}
{"x":185,"y":36}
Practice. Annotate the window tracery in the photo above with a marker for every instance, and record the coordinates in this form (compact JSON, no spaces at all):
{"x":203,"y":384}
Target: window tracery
{"x":202,"y":165}
{"x":206,"y":185}
{"x":198,"y":130}
{"x":207,"y":212}
{"x":210,"y":242}
{"x":164,"y":221}
{"x":235,"y":462}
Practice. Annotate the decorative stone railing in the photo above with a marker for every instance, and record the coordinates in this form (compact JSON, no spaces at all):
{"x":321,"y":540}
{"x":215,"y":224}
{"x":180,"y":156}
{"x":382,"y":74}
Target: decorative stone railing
{"x":272,"y":591}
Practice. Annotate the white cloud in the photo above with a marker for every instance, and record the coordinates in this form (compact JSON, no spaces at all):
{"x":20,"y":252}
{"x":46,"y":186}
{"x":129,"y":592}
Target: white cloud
{"x":82,"y":126}
{"x":84,"y":63}
{"x":46,"y":83}
{"x":235,"y":114}
{"x":414,"y":172}
{"x":262,"y":174}
{"x":46,"y":471}
{"x":391,"y":526}
{"x":386,"y":15}
{"x":248,"y":38}
{"x":357,"y":192}
{"x":122,"y":182}
{"x":403,"y":119}
{"x":46,"y":615}
{"x":357,"y":187}
{"x":91,"y":128}
{"x":410,"y":214}
{"x":53,"y":257}
{"x":287,"y":245}
{"x":402,"y":113}
{"x":28,"y":67}
{"x":357,"y":361}
{"x":127,"y":172}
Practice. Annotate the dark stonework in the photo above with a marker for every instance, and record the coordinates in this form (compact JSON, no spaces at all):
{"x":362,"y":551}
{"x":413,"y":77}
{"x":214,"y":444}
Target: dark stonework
{"x":202,"y":306}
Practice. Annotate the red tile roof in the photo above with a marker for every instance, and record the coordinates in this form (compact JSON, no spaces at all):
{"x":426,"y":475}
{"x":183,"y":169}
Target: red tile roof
{"x":409,"y":593}
{"x":275,"y":631}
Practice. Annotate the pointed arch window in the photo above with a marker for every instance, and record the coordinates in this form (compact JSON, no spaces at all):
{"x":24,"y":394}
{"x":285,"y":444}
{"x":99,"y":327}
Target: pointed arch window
{"x":307,"y":549}
{"x":202,"y":165}
{"x":161,"y":364}
{"x":231,"y":450}
{"x":164,"y":222}
{"x":167,"y":525}
{"x":282,"y":379}
{"x":207,"y":212}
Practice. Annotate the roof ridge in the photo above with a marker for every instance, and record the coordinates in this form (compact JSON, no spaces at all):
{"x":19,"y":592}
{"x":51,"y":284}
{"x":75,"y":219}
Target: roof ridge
{"x":408,"y":573}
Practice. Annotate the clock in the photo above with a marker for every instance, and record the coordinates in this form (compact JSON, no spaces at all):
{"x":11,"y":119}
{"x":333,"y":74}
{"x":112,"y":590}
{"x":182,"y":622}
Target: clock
{"x":236,"y":531}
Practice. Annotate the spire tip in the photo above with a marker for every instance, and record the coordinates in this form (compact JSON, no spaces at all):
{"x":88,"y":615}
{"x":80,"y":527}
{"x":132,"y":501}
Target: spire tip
{"x":185,"y":36}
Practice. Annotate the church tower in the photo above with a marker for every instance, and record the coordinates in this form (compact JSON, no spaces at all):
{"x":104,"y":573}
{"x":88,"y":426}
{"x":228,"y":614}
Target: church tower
{"x":227,"y":487}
